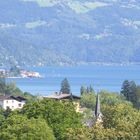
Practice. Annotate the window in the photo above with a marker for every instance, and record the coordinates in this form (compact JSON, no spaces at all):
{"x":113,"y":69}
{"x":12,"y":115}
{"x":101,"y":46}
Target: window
{"x":12,"y":101}
{"x":19,"y":105}
{"x":6,"y":101}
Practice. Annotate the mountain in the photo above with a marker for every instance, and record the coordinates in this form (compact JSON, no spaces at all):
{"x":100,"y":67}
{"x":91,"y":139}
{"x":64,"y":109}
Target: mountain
{"x":66,"y":32}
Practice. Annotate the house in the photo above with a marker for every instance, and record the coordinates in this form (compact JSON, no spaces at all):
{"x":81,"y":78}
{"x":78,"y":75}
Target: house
{"x":64,"y":96}
{"x":12,"y":102}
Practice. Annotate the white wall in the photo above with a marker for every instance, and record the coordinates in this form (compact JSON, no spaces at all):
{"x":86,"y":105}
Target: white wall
{"x":13,"y":104}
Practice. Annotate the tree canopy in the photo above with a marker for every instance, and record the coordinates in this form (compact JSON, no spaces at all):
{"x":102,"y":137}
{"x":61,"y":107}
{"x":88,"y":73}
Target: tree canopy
{"x":121,"y":121}
{"x":131,"y":92}
{"x":18,"y":127}
{"x":65,"y":86}
{"x":60,"y":116}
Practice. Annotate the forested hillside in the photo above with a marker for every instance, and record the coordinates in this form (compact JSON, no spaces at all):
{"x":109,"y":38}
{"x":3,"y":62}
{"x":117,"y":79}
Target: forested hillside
{"x":57,"y":32}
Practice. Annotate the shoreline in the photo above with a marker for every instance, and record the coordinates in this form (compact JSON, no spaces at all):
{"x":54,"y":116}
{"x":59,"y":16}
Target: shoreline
{"x":20,"y":77}
{"x":85,"y":64}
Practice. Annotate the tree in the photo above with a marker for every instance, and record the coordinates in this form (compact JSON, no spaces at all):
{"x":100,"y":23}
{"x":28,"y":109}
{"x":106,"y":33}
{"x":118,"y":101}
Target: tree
{"x":137,"y":103}
{"x":123,"y":118}
{"x":129,"y":90}
{"x":7,"y":112}
{"x":88,"y":90}
{"x":109,"y":98}
{"x":18,"y":127}
{"x":120,"y":122}
{"x":65,"y":87}
{"x":88,"y":100}
{"x":91,"y":90}
{"x":132,"y":94}
{"x":82,"y":90}
{"x":60,"y":116}
{"x":2,"y":117}
{"x":126,"y":89}
{"x":10,"y":88}
{"x":2,"y":83}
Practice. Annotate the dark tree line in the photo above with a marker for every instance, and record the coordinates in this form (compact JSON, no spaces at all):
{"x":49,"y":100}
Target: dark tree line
{"x":86,"y":90}
{"x":9,"y":89}
{"x":131,"y":91}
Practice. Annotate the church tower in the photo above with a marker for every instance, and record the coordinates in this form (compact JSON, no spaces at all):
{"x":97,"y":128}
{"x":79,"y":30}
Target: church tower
{"x":98,"y":113}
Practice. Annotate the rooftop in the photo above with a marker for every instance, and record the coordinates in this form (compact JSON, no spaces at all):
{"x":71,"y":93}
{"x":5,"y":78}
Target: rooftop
{"x":9,"y":97}
{"x":62,"y":96}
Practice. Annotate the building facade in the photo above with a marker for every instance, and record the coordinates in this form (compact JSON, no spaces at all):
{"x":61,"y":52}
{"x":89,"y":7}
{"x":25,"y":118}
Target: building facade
{"x":62,"y":96}
{"x":12,"y":102}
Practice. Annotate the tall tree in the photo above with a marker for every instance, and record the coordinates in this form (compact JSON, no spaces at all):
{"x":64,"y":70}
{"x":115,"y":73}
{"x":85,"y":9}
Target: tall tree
{"x":88,"y":90}
{"x":82,"y":90}
{"x":91,"y":89}
{"x":137,"y":103}
{"x":129,"y":90}
{"x":88,"y":100}
{"x":126,"y":89}
{"x":132,"y":93}
{"x":65,"y":86}
{"x":2,"y":83}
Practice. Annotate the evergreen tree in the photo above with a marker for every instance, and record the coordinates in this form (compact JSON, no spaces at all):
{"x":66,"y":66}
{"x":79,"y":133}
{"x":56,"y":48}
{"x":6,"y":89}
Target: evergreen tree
{"x":65,"y":86}
{"x":91,"y":89}
{"x":132,"y":93}
{"x":82,"y":90}
{"x":137,"y":103}
{"x":126,"y":89}
{"x":129,"y":90}
{"x":88,"y":90}
{"x":88,"y":101}
{"x":2,"y":83}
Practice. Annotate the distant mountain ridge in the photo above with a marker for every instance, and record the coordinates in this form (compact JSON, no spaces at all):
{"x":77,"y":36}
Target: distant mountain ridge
{"x":67,"y":32}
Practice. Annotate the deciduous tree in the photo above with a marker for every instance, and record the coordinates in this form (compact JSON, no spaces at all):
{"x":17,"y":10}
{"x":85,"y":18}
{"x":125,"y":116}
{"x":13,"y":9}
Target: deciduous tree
{"x":18,"y":127}
{"x":59,"y":115}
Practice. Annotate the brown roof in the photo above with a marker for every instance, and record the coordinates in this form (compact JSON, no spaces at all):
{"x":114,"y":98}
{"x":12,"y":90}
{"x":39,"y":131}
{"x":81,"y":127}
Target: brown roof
{"x":62,"y":96}
{"x":8,"y":97}
{"x":2,"y":97}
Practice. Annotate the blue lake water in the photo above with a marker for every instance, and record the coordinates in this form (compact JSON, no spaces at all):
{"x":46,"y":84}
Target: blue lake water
{"x":100,"y":77}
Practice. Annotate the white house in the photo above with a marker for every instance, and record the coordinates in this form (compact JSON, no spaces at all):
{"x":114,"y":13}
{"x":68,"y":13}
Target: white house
{"x":12,"y":102}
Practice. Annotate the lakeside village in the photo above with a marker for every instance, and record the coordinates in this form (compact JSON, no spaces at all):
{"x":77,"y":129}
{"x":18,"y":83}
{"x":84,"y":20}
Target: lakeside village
{"x":18,"y":102}
{"x":11,"y":102}
{"x":65,"y":116}
{"x":15,"y":72}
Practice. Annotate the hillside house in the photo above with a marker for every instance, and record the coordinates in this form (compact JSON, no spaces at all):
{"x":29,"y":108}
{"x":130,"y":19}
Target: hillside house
{"x":62,"y":96}
{"x":12,"y":102}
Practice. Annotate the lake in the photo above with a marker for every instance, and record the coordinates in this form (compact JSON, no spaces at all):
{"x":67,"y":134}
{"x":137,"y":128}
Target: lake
{"x":100,"y":77}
